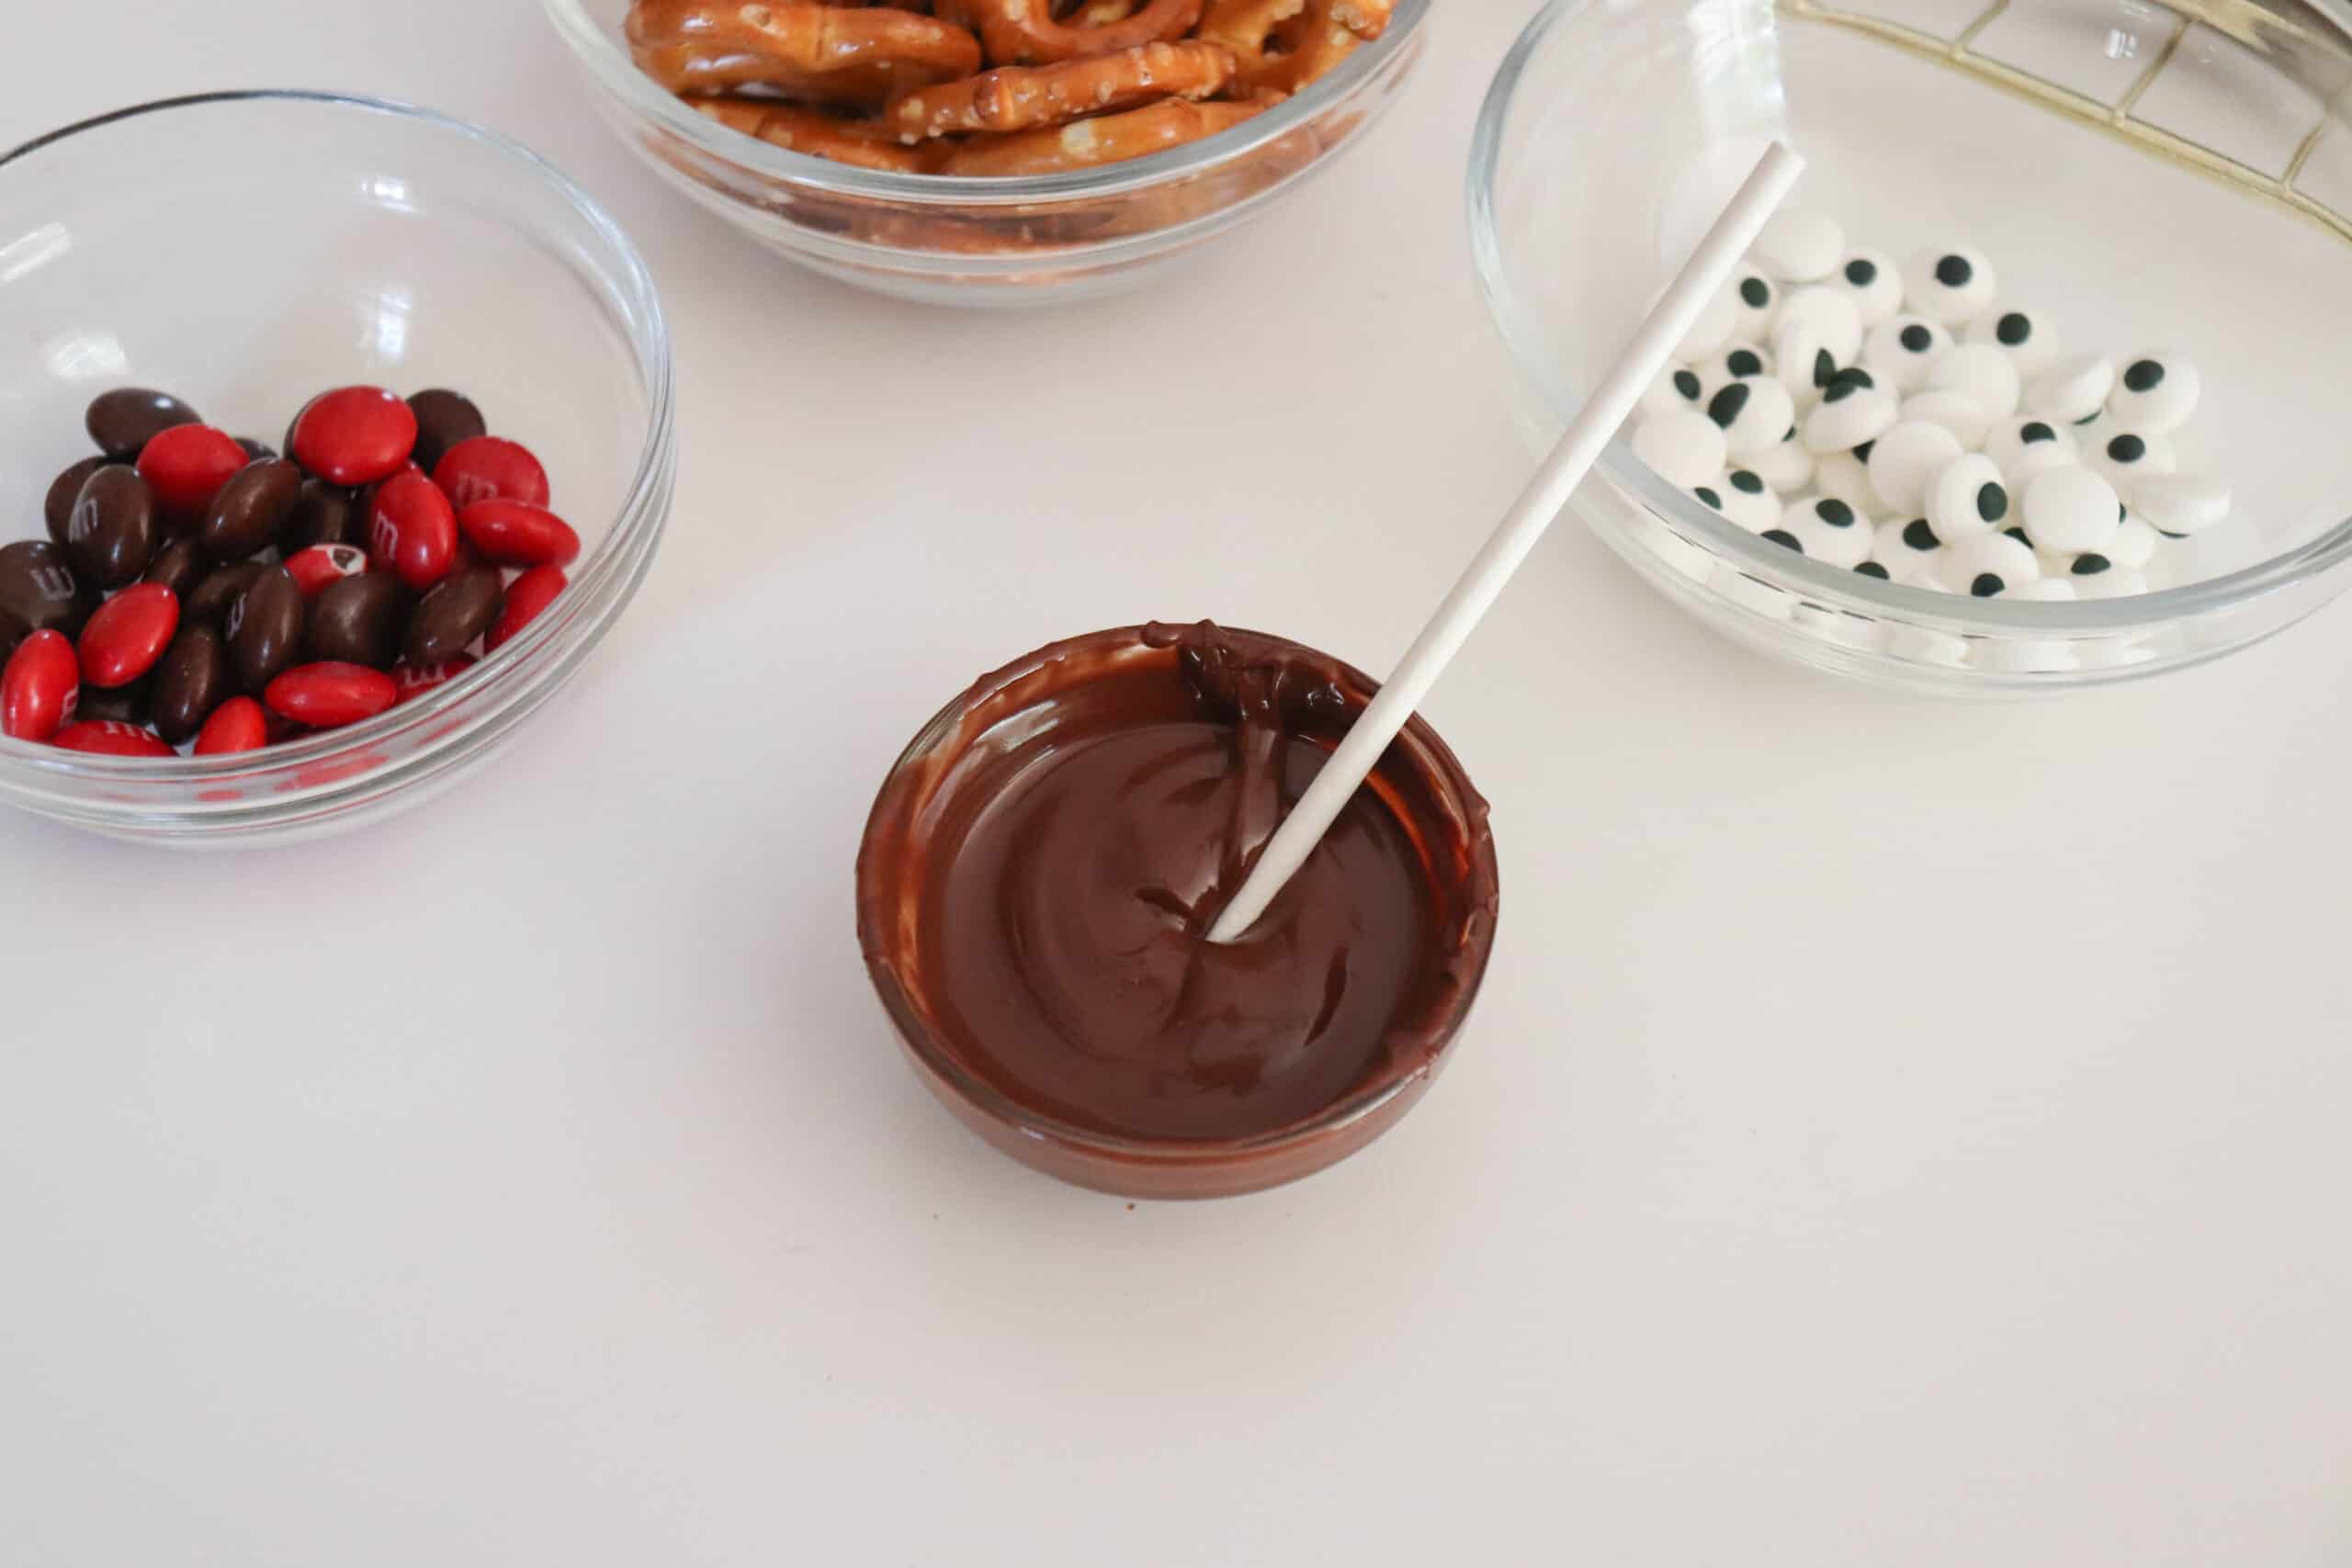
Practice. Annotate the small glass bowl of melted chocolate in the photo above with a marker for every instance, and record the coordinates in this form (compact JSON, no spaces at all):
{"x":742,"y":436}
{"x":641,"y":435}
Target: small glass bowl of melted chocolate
{"x":1042,"y":864}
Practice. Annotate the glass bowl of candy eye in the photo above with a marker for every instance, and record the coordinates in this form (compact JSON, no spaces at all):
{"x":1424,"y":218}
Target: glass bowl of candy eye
{"x":315,"y":242}
{"x":1997,"y":406}
{"x":820,"y":170}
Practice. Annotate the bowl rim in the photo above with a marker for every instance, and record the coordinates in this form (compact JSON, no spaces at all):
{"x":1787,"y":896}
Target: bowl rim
{"x":640,"y":511}
{"x":1759,"y":557}
{"x":601,"y":53}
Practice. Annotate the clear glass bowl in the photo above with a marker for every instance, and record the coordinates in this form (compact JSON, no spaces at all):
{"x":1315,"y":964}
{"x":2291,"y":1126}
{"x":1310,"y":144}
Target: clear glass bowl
{"x":246,"y":250}
{"x":997,"y":240}
{"x":2139,"y":174}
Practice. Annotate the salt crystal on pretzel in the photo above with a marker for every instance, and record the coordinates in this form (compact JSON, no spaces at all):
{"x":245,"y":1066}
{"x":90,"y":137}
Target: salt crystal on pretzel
{"x":1021,"y":97}
{"x":1023,"y":32}
{"x":822,"y":50}
{"x":1112,"y":139}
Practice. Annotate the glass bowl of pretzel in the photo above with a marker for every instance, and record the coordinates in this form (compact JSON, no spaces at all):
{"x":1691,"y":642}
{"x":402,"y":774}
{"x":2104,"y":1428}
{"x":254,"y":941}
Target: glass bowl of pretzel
{"x":989,"y":152}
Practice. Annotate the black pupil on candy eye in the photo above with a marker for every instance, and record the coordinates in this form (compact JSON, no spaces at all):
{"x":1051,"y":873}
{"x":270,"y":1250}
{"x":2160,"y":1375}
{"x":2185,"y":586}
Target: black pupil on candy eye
{"x":1954,"y":272}
{"x":1785,"y":539}
{"x":1710,"y":497}
{"x":1916,"y":338}
{"x":1687,"y":384}
{"x":2019,"y":535}
{"x":1836,"y":513}
{"x":1757,"y":292}
{"x":1987,"y":585}
{"x":2144,"y":376}
{"x":2037,"y":431}
{"x":1861,"y":274}
{"x":2127,"y":449}
{"x":1919,"y":537}
{"x":1862,"y":453}
{"x":2013,"y":329}
{"x":1724,"y":406}
{"x":1992,"y":503}
{"x":1839,"y":390}
{"x":1825,"y":369}
{"x":1791,"y":435}
{"x":1857,"y":376}
{"x":1743,"y":480}
{"x":1872,"y":568}
{"x":2091,"y":566}
{"x":1743,"y":362}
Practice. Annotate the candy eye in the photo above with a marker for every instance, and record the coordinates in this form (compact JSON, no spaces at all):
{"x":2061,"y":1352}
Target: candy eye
{"x":1950,"y":285}
{"x":1752,"y":413}
{"x":1799,"y":247}
{"x":1682,"y":447}
{"x":2023,"y":337}
{"x":2155,"y":393}
{"x":1872,"y":281}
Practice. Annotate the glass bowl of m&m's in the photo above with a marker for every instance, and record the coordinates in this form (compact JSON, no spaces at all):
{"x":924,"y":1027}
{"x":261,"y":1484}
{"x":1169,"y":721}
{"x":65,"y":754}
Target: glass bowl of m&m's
{"x":2001,"y":403}
{"x":340,"y":434}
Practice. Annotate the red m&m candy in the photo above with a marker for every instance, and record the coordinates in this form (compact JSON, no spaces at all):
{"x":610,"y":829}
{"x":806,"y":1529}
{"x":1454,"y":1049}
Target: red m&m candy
{"x":489,"y":468}
{"x":185,"y":467}
{"x":111,"y":737}
{"x":354,"y":435}
{"x":39,"y":688}
{"x":414,"y":532}
{"x":525,"y":597}
{"x":128,"y":633}
{"x":516,"y":533}
{"x":238,"y":725}
{"x":327,"y":696}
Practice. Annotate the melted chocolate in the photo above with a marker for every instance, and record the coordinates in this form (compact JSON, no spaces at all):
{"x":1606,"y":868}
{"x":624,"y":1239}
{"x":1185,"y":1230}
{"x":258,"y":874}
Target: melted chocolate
{"x":1091,"y":816}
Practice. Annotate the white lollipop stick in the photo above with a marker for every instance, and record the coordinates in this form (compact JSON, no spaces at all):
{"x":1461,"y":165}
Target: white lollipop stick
{"x":1613,"y":397}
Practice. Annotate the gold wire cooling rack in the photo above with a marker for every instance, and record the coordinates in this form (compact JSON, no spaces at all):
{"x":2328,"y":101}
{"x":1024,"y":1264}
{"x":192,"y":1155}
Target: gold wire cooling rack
{"x":2307,"y":49}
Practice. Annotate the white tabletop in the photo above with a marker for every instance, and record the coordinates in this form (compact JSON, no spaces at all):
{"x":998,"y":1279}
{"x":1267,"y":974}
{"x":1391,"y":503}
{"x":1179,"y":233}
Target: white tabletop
{"x":1891,"y":1132}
